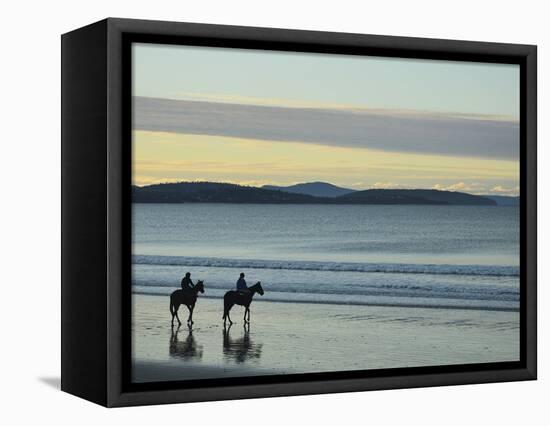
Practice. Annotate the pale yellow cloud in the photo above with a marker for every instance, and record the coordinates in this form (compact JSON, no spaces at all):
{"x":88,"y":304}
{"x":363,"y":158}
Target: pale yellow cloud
{"x":169,"y":157}
{"x":387,"y":185}
{"x":499,"y":189}
{"x":471,"y":187}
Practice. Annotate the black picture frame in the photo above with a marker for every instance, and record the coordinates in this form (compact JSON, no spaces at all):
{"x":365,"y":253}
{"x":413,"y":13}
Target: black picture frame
{"x":96,"y":214}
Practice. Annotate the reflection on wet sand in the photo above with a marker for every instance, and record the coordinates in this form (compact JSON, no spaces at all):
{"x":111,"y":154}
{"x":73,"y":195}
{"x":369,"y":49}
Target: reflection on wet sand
{"x":241,"y":349}
{"x":187,"y":349}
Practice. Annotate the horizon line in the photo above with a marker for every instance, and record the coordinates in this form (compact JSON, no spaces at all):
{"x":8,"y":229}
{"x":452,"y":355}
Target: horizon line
{"x":326,"y":183}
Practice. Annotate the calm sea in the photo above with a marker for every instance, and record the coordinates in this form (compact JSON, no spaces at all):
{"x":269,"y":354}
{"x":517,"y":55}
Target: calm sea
{"x":429,"y":256}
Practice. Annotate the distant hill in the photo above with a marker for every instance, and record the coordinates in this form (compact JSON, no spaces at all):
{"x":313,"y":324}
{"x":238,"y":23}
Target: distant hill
{"x":213,"y":192}
{"x":503,"y":200}
{"x":415,"y":196}
{"x":316,"y":189}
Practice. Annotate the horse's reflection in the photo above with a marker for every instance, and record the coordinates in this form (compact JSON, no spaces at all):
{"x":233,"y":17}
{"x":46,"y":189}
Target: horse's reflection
{"x":184,"y":349}
{"x":241,"y":349}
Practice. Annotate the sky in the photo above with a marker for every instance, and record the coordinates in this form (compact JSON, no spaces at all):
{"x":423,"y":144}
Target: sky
{"x":262,"y":117}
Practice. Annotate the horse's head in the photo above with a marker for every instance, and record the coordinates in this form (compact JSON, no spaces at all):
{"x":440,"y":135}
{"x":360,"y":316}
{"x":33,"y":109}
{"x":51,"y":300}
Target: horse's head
{"x":200,"y":286}
{"x":259,"y":288}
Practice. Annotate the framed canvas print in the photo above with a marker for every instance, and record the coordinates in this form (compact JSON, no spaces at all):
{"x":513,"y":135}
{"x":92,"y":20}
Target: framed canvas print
{"x":252,"y":212}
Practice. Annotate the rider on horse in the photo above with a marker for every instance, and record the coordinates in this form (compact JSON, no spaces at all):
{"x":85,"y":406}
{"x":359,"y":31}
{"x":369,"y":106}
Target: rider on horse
{"x":186,"y":283}
{"x":242,"y":296}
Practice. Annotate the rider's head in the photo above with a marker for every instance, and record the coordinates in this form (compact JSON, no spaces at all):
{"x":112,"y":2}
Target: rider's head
{"x":188,"y":274}
{"x":242,"y":275}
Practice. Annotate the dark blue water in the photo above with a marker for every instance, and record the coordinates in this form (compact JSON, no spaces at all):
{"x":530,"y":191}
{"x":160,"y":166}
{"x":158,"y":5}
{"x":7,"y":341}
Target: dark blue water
{"x":434,"y":256}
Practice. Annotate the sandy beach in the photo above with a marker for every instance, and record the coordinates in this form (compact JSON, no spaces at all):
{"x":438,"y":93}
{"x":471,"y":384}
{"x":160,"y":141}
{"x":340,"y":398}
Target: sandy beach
{"x":289,"y":338}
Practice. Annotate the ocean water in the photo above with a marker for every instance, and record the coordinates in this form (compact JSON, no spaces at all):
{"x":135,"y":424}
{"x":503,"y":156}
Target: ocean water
{"x":426,"y":256}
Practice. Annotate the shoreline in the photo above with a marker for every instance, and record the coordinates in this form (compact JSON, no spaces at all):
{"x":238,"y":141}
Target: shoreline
{"x":294,"y":338}
{"x":373,"y":304}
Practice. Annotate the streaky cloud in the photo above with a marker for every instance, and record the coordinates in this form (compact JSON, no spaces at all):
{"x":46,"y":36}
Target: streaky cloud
{"x":452,"y":134}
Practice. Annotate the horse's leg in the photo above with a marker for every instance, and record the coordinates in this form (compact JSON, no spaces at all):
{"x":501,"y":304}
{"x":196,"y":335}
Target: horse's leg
{"x":227,"y":315}
{"x":190,"y":318}
{"x":172,"y":312}
{"x":227,"y":305}
{"x":248,"y":310}
{"x":176,"y":312}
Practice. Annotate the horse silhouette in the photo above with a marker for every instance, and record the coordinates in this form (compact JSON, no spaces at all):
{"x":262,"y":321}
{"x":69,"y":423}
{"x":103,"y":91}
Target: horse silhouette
{"x":187,"y":298}
{"x":242,"y":298}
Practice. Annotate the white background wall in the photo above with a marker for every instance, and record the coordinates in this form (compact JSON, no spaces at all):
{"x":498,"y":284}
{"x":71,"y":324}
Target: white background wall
{"x":30,"y":210}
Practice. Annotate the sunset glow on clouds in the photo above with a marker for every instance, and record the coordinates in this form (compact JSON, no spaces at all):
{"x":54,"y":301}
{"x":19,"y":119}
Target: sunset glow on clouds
{"x":171,"y":157}
{"x":256,"y":125}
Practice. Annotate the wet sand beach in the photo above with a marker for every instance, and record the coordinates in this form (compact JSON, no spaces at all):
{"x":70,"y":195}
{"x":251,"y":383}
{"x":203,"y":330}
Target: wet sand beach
{"x":289,"y":338}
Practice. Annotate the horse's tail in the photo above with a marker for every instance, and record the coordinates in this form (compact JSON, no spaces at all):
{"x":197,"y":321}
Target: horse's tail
{"x":171,"y":306}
